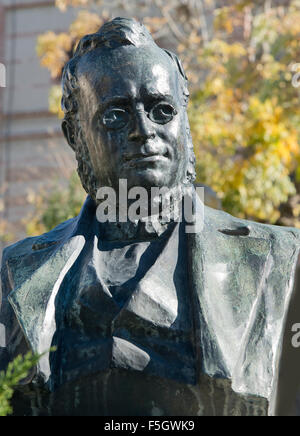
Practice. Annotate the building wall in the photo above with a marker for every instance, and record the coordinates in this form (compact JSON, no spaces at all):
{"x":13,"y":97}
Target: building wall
{"x":33,"y":152}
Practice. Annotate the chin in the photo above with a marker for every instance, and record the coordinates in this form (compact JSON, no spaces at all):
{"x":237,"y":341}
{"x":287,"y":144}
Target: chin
{"x":149,"y":178}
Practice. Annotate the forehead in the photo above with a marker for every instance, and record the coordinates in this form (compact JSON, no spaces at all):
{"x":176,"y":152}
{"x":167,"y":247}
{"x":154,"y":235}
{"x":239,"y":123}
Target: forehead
{"x":128,"y":72}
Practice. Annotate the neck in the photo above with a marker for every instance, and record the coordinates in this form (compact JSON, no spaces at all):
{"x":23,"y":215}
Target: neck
{"x":167,"y":208}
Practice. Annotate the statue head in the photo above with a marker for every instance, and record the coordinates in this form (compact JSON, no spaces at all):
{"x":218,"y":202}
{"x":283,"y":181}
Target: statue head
{"x":124,"y":100}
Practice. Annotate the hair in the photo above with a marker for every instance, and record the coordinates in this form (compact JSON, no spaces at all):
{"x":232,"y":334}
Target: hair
{"x":113,"y":34}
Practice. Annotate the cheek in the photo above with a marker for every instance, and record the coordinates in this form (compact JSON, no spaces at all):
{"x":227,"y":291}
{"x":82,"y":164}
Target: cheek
{"x":116,"y":141}
{"x":168,"y":132}
{"x":112,"y":144}
{"x":174,"y":134}
{"x":174,"y":129}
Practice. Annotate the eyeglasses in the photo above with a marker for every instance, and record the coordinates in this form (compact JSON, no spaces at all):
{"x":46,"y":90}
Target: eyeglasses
{"x":117,"y":118}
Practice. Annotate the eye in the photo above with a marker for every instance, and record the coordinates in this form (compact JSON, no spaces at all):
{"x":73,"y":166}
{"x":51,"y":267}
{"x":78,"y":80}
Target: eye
{"x":162,"y":113}
{"x":115,"y":118}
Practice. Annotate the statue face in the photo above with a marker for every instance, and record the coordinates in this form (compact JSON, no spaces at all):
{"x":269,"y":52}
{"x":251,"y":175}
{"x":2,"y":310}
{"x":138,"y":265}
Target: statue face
{"x":132,"y":117}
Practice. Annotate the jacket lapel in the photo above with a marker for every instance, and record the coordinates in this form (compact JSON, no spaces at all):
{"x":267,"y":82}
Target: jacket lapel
{"x":33,"y":296}
{"x":34,"y":301}
{"x":228,"y":268}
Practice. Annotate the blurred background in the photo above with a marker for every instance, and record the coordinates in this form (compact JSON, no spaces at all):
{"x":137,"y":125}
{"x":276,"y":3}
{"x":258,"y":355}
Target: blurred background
{"x":242,"y":59}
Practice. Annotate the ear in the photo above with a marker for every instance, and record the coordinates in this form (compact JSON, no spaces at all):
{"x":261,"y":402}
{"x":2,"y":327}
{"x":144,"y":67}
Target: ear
{"x":69,"y":133}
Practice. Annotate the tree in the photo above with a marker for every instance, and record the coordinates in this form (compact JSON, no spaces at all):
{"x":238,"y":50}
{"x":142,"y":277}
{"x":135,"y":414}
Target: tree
{"x":17,"y":370}
{"x":56,"y":207}
{"x":245,"y":115}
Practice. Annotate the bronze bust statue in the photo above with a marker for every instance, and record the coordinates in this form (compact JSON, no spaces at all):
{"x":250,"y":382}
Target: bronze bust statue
{"x":147,"y":318}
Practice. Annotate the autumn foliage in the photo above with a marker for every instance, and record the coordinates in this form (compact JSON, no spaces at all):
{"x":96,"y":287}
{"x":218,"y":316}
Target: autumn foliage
{"x":244,"y":109}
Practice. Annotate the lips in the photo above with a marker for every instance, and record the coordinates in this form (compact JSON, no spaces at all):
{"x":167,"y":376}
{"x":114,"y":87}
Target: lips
{"x":143,"y":159}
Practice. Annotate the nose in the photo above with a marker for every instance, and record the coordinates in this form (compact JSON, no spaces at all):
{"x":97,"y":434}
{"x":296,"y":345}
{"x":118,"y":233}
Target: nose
{"x":142,"y":129}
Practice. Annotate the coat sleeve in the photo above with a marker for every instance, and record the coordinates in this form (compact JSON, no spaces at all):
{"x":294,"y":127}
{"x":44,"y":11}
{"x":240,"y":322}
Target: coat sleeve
{"x":12,"y":340}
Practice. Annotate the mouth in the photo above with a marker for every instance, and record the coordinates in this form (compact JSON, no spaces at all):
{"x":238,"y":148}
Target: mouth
{"x":144,"y":159}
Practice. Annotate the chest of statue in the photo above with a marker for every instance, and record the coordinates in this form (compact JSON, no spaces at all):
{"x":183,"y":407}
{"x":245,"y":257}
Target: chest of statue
{"x":126,"y":333}
{"x":132,"y":311}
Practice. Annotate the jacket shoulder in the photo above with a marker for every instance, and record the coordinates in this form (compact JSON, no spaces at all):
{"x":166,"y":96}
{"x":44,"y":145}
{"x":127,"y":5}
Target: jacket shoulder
{"x":19,"y":260}
{"x":58,"y":234}
{"x":231,"y":225}
{"x":28,"y":245}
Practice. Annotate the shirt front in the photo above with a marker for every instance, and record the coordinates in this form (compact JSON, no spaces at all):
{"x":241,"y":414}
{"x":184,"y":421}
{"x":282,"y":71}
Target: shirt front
{"x":128,"y":306}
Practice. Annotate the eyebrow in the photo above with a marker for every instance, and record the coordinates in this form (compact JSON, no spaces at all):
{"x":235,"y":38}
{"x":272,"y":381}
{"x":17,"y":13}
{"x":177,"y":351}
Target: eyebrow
{"x":156,"y":95}
{"x":126,"y":99}
{"x":167,"y":97}
{"x":114,"y":100}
